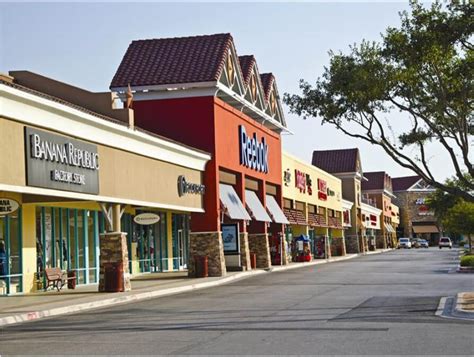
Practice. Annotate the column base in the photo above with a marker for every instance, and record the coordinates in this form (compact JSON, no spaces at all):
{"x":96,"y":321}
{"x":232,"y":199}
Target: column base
{"x":207,"y":244}
{"x":245,"y":251}
{"x":338,"y":247}
{"x":258,"y":244}
{"x":113,"y":250}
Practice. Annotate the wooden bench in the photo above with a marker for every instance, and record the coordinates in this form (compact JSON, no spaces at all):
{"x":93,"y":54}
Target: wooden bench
{"x":56,"y":278}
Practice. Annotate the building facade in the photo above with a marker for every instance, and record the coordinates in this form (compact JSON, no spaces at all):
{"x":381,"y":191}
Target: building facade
{"x":346,"y":165}
{"x":312,"y":201}
{"x":378,"y":189}
{"x":198,"y":91}
{"x":73,"y":180}
{"x":416,"y":219}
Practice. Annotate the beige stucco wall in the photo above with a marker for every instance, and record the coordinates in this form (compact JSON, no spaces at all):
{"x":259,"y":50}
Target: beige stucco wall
{"x":12,"y":157}
{"x":121,"y":174}
{"x":131,"y":176}
{"x":292,"y":192}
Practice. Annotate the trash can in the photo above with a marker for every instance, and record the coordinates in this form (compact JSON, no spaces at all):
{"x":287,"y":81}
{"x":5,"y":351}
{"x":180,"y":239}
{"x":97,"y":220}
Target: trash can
{"x":201,"y":266}
{"x":71,"y":279}
{"x":113,"y":277}
{"x":253,"y":260}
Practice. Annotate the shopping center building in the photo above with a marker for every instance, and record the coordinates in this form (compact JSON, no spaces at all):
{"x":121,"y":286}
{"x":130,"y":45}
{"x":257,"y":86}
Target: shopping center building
{"x":312,"y":201}
{"x":378,"y":189}
{"x":196,"y":90}
{"x":416,"y":219}
{"x":71,"y":174}
{"x":346,"y":165}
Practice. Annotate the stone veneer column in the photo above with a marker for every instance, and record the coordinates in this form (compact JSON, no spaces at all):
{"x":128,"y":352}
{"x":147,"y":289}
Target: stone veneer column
{"x":352,"y":244}
{"x":207,"y":244}
{"x":337,"y":247}
{"x":381,"y":241}
{"x":113,"y":249}
{"x":258,"y":244}
{"x":245,"y":251}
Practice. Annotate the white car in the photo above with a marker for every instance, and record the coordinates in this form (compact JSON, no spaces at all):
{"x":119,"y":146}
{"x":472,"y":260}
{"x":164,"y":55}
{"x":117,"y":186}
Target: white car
{"x":445,"y":242}
{"x":404,"y":243}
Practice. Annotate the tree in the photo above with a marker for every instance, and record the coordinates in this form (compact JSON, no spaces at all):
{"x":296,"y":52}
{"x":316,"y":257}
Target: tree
{"x":460,"y":219}
{"x":423,"y":71}
{"x":454,"y":213}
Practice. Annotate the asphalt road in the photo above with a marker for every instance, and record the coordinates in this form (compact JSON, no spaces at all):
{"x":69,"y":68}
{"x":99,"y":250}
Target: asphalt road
{"x":374,"y":305}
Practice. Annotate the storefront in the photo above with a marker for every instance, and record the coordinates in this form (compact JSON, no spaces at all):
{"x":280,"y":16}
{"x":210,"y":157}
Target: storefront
{"x":312,"y":201}
{"x":372,"y":224}
{"x":222,"y":105}
{"x":66,"y":169}
{"x":416,"y":219}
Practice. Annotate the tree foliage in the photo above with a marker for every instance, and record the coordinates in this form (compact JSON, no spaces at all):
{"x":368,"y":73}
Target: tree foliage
{"x":423,"y":71}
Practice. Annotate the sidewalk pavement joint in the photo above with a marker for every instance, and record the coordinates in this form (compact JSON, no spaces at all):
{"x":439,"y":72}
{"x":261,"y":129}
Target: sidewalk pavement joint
{"x":100,"y":303}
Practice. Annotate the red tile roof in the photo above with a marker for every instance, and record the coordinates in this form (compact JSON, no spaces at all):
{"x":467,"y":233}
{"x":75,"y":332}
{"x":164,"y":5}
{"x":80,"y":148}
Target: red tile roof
{"x":336,"y":161}
{"x":376,"y":181}
{"x":173,"y":61}
{"x":267,"y":81}
{"x":246,"y":65}
{"x":404,"y":183}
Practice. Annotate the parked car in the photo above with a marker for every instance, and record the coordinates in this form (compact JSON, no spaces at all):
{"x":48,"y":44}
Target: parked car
{"x":404,"y":243}
{"x":415,"y":242}
{"x":424,"y":243}
{"x":445,"y":242}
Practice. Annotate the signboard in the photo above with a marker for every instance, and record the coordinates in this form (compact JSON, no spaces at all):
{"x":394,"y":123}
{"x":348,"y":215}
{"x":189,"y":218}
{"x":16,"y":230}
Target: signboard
{"x":253,"y":154}
{"x":185,"y":187}
{"x":230,"y":237}
{"x":303,"y":182}
{"x":61,"y":163}
{"x":322,"y":190}
{"x":145,"y":219}
{"x":7,"y":206}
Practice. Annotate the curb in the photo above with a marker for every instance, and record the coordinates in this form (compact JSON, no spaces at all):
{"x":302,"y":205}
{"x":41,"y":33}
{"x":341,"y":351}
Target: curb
{"x":447,"y":309}
{"x":35,"y":315}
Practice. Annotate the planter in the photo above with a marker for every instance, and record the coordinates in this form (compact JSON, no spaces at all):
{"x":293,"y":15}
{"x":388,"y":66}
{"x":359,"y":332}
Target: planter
{"x":461,"y":269}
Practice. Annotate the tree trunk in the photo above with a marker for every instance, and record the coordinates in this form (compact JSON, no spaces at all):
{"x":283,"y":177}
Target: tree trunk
{"x":470,"y":243}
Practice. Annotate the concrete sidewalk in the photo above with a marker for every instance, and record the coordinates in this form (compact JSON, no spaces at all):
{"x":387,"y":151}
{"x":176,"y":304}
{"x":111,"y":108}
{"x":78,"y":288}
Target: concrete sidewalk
{"x":30,"y":307}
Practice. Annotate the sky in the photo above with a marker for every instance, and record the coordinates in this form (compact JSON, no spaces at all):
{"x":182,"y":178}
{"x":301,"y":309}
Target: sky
{"x":83,"y":44}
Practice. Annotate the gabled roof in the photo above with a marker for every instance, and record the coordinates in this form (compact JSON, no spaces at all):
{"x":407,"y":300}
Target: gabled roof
{"x":246,"y":64}
{"x":173,"y":61}
{"x":267,"y":81}
{"x":375,"y":180}
{"x":336,"y":161}
{"x":404,"y":183}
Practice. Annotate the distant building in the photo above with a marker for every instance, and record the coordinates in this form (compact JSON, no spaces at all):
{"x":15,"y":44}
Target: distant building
{"x":416,"y":220}
{"x":378,"y":189}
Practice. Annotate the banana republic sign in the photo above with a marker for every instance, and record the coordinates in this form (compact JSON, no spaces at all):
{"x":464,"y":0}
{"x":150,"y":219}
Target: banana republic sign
{"x":61,"y":163}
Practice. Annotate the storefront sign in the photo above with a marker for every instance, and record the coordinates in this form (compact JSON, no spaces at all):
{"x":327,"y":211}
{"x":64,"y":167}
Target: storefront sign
{"x":420,"y":201}
{"x":145,"y":219}
{"x":7,"y":206}
{"x":230,"y":237}
{"x":373,"y":219}
{"x":253,"y":154}
{"x":322,"y":190}
{"x":185,"y":187}
{"x":287,"y":177}
{"x":303,"y":182}
{"x":62,"y":163}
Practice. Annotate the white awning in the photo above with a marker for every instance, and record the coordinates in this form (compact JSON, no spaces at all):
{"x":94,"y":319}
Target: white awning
{"x":231,"y":201}
{"x":256,"y":208}
{"x":275,"y":211}
{"x":389,"y":228}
